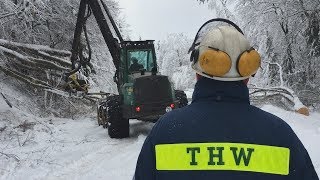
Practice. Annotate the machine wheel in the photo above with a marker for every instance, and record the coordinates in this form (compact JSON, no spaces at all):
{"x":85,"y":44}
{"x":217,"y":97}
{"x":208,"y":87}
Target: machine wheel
{"x":182,"y":97}
{"x":118,"y":126}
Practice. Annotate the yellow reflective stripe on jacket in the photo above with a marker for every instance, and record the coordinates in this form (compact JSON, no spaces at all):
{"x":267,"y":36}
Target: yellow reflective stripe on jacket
{"x":223,"y":156}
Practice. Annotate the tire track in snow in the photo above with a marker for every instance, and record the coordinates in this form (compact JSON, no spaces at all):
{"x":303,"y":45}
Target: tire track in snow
{"x":110,"y":158}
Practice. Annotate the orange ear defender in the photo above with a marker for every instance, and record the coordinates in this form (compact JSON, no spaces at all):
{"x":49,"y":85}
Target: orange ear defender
{"x":215,"y":62}
{"x":248,"y":62}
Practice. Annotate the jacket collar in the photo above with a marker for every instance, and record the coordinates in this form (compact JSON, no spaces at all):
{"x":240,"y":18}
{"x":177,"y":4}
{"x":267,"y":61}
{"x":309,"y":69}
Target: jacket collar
{"x":220,"y":91}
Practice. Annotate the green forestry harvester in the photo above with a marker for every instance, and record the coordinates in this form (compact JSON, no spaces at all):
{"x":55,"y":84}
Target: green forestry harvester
{"x":143,"y":93}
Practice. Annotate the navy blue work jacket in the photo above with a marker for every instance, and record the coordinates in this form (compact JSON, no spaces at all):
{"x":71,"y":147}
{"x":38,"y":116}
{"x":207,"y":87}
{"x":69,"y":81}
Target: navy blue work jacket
{"x":220,"y":112}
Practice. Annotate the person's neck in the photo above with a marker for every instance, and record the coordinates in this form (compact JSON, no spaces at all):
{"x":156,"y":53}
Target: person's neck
{"x":212,"y":90}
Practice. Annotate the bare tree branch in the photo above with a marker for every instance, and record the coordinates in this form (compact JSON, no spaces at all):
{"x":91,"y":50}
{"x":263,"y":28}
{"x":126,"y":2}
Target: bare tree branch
{"x":54,"y":58}
{"x":47,"y":64}
{"x":21,"y":77}
{"x":19,"y":56}
{"x":15,"y":157}
{"x":33,"y":47}
{"x":7,"y":15}
{"x":33,"y":61}
{"x":280,"y":72}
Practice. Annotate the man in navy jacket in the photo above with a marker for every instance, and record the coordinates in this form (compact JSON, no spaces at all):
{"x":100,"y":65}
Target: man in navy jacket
{"x":220,"y":135}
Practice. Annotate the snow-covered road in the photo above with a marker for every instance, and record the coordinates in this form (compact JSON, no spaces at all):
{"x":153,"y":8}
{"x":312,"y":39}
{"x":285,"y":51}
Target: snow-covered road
{"x":69,"y":149}
{"x":93,"y":155}
{"x":80,"y":149}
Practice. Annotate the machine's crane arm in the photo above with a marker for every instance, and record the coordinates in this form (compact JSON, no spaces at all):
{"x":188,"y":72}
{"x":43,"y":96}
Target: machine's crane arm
{"x":98,"y":8}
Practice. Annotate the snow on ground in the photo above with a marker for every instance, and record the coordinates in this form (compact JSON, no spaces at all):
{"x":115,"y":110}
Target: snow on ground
{"x":189,"y":93}
{"x":307,"y":129}
{"x":52,"y":148}
{"x":67,"y":149}
{"x":3,"y":105}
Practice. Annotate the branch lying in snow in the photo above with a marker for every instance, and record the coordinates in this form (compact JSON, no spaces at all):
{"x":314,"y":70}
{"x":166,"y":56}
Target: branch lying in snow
{"x":29,"y":63}
{"x":32,"y":47}
{"x":38,"y":66}
{"x":30,"y":80}
{"x":7,"y":15}
{"x":19,"y":56}
{"x":284,"y":92}
{"x":47,"y":64}
{"x":272,"y":89}
{"x":28,"y":67}
{"x":53,"y":58}
{"x":6,"y":100}
{"x":88,"y":96}
{"x":11,"y":156}
{"x":33,"y":61}
{"x":26,"y":140}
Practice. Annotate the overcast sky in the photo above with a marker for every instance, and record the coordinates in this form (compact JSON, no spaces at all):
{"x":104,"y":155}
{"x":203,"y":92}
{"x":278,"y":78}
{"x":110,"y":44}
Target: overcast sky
{"x":154,"y":19}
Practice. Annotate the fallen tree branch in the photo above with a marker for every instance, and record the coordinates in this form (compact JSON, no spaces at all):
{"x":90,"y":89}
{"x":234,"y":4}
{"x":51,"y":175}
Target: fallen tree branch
{"x":26,"y":67}
{"x":32,"y":47}
{"x":90,"y":99}
{"x":283,"y":92}
{"x":273,"y":90}
{"x":33,"y":61}
{"x":11,"y":156}
{"x":70,"y":102}
{"x":61,"y":61}
{"x":30,"y":80}
{"x":8,"y":15}
{"x":28,"y":138}
{"x":271,"y":96}
{"x":19,"y":56}
{"x":47,"y":64}
{"x":7,"y":101}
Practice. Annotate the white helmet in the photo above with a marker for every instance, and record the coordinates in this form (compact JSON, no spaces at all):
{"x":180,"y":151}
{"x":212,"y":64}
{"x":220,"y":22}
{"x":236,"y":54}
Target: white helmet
{"x":224,"y":54}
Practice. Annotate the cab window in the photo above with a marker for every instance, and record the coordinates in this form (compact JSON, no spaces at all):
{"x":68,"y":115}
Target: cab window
{"x":139,"y":60}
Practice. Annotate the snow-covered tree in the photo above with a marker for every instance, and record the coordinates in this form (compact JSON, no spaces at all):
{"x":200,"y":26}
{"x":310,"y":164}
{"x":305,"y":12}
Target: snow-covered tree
{"x":174,"y":61}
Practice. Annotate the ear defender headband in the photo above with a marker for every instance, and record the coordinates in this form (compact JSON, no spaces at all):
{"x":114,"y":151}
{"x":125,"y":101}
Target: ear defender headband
{"x":217,"y":63}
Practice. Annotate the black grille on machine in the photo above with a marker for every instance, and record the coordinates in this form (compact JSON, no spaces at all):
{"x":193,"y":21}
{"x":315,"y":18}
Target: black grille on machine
{"x":152,"y":89}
